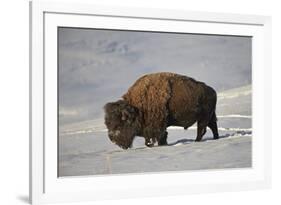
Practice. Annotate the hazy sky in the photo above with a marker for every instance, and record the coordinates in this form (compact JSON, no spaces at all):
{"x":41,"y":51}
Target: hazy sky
{"x":98,"y":66}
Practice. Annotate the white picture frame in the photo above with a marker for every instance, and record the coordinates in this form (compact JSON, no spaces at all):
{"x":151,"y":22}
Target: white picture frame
{"x":46,"y":187}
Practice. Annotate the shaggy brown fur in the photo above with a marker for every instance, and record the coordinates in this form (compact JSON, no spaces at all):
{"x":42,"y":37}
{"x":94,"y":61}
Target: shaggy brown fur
{"x":157,"y":101}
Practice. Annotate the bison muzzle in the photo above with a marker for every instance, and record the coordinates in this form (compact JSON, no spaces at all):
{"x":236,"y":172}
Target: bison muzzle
{"x":157,"y":101}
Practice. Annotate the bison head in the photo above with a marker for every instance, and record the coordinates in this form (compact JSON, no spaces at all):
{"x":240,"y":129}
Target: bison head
{"x":121,"y":120}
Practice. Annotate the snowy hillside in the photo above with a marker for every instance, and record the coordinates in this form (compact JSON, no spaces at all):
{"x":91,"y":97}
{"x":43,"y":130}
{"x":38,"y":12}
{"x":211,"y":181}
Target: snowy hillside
{"x":85,"y":149}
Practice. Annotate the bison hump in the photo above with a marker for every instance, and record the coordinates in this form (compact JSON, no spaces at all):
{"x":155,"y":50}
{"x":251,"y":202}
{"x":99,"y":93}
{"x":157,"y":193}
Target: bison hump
{"x":150,"y":94}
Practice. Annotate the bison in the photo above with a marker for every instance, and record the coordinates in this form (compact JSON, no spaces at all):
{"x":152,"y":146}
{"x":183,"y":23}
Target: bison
{"x":157,"y":101}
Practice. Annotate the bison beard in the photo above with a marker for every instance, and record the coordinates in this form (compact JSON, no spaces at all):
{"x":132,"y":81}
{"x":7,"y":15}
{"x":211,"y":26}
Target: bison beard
{"x":157,"y":101}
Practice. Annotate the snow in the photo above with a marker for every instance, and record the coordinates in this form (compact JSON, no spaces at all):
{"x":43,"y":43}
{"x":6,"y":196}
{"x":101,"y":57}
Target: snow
{"x":84,"y":148}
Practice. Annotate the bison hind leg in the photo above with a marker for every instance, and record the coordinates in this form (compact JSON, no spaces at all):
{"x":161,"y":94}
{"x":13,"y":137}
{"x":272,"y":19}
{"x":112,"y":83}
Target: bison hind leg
{"x":213,"y":126}
{"x":201,"y":130}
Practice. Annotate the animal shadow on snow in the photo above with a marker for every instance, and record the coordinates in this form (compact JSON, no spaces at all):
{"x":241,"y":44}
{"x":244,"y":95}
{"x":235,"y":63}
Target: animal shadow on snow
{"x":208,"y":138}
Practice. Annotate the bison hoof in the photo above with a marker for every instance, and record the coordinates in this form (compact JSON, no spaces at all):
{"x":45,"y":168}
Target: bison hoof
{"x":162,"y":143}
{"x":149,"y":144}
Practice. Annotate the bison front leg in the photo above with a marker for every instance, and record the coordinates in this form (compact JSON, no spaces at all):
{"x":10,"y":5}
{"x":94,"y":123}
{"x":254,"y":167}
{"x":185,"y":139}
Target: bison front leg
{"x":201,"y":130}
{"x":163,"y":139}
{"x":152,"y":135}
{"x":149,"y":142}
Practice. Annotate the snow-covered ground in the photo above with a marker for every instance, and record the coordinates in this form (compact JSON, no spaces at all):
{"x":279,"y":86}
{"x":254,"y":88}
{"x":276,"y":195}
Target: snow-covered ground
{"x":84,"y":148}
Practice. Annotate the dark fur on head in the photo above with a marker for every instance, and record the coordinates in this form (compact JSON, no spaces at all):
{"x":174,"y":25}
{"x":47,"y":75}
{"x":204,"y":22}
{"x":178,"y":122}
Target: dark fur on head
{"x":122,"y":122}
